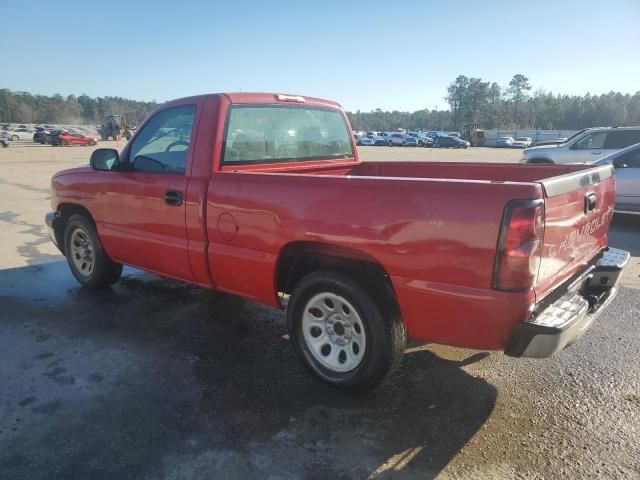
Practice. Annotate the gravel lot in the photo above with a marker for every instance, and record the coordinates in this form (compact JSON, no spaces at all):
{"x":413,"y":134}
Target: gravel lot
{"x":158,"y":380}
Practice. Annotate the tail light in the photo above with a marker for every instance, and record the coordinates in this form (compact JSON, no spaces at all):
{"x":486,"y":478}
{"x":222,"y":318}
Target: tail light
{"x":520,"y":245}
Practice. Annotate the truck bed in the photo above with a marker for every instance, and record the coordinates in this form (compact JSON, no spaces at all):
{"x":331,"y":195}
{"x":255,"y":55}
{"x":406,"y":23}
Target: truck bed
{"x":435,"y":227}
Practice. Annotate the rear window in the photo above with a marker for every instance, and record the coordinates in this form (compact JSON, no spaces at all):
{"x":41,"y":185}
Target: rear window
{"x":268,"y":134}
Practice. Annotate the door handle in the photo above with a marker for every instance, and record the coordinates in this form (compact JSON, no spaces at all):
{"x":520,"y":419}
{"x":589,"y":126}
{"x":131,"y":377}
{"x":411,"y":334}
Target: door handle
{"x":596,"y":153}
{"x":173,"y":197}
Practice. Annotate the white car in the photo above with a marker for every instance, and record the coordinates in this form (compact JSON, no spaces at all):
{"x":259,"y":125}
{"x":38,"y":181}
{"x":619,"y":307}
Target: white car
{"x":362,"y":140}
{"x":522,"y":142}
{"x":397,"y":140}
{"x":505,"y":142}
{"x":20,"y":134}
{"x":592,"y":145}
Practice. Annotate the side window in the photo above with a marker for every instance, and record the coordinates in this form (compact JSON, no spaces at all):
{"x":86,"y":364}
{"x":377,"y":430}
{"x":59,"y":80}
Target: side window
{"x":591,"y":141}
{"x":622,"y":139}
{"x":163,"y":143}
{"x":631,"y":159}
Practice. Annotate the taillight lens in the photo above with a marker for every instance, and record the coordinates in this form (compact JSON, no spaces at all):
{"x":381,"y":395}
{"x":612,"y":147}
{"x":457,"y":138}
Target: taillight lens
{"x":520,"y":245}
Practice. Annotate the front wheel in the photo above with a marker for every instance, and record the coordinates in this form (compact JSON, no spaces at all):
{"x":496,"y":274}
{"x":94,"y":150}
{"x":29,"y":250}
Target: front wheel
{"x":390,"y":143}
{"x":15,"y":138}
{"x":87,"y":260}
{"x":341,"y":334}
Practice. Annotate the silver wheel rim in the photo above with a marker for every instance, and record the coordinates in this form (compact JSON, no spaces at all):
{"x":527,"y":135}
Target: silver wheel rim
{"x":333,"y":332}
{"x":82,"y":252}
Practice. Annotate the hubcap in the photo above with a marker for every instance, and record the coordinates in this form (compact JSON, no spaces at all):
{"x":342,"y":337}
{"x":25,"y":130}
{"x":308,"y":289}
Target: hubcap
{"x":82,"y":252}
{"x":334,"y":332}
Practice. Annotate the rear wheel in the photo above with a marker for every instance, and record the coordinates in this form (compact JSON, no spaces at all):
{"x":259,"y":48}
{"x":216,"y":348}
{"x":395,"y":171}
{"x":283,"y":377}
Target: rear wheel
{"x":15,"y":138}
{"x":63,"y":143}
{"x":341,"y":335}
{"x":87,"y":260}
{"x":390,"y":143}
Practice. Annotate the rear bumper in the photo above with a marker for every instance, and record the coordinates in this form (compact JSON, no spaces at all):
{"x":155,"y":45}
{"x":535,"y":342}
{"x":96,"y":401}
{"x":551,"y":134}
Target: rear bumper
{"x":555,"y":326}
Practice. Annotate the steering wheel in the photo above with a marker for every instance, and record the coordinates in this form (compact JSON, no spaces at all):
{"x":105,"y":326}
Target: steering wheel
{"x":177,"y":142}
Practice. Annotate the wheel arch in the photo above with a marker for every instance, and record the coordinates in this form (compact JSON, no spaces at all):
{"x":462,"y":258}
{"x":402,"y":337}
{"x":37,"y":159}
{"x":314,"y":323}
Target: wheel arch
{"x":65,"y":212}
{"x":298,"y":259}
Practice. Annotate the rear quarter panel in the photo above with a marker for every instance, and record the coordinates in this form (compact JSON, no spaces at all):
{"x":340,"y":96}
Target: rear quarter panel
{"x":435,"y":238}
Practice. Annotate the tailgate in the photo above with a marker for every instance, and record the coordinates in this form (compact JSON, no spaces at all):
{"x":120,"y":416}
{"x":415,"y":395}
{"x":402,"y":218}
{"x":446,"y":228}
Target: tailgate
{"x":578,"y":210}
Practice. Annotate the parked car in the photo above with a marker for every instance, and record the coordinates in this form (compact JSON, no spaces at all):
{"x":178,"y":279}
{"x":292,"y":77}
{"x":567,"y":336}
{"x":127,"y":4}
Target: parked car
{"x":65,"y":138}
{"x":363,"y":140}
{"x":19,"y":133}
{"x":40,"y":135}
{"x":504,"y":142}
{"x":386,"y":136}
{"x":521,"y":142}
{"x":377,"y":139}
{"x":410,"y":141}
{"x":397,"y":140}
{"x":450,"y":142}
{"x":355,"y":252}
{"x":627,"y":170}
{"x":592,"y":145}
{"x":423,"y":140}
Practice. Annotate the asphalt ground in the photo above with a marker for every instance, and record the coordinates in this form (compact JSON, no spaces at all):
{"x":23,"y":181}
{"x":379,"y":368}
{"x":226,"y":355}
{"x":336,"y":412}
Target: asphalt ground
{"x":158,"y":380}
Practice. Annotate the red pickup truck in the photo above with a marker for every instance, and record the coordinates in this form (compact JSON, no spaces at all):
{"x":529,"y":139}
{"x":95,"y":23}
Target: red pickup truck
{"x":263,"y":196}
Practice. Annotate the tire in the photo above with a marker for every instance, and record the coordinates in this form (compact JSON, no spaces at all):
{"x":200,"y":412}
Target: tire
{"x":374,"y":333}
{"x":15,"y":138}
{"x":63,"y":143}
{"x":390,"y":143}
{"x":87,"y":260}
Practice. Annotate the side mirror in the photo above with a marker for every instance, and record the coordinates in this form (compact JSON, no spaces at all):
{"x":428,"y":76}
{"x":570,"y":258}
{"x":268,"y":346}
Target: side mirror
{"x":146,"y":164}
{"x":105,"y":159}
{"x":619,"y":163}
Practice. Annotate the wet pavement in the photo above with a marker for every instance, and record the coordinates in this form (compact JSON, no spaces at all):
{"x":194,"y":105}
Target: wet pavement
{"x":157,"y":380}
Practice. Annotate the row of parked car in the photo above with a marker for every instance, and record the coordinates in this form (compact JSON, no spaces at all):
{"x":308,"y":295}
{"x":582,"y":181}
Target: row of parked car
{"x":45,"y":135}
{"x":434,"y":139}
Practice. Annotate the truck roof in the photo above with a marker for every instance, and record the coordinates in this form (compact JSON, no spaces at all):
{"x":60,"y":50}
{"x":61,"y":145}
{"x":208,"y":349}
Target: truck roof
{"x":265,"y":98}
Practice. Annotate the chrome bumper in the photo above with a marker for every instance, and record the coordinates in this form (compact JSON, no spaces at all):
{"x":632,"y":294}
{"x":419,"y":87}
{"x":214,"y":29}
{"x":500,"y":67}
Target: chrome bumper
{"x":561,"y":323}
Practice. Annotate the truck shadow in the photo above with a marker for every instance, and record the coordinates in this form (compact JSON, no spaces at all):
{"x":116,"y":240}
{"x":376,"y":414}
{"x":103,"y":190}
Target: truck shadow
{"x":157,"y":379}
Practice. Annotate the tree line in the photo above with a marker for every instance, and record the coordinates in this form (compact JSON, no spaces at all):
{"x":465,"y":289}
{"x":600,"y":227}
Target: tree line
{"x":22,"y":107}
{"x":472,"y":100}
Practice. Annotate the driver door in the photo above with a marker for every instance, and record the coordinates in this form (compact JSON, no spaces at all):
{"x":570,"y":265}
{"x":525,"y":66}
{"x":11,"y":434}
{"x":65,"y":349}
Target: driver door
{"x":143,"y":208}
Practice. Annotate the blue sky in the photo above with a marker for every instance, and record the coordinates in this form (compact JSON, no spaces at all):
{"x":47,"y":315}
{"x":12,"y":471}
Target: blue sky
{"x":366,"y":55}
